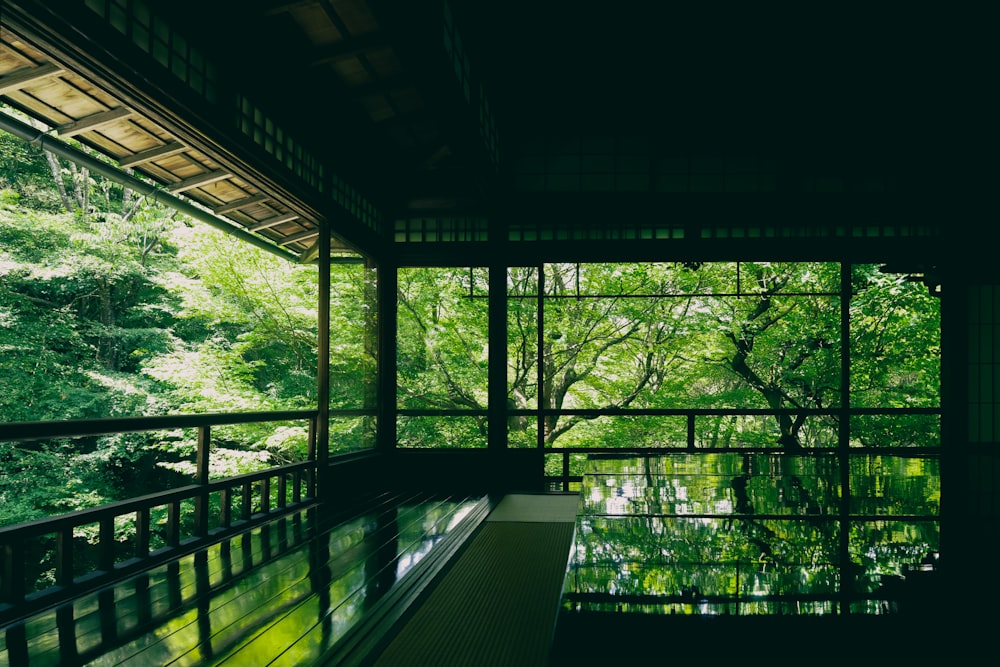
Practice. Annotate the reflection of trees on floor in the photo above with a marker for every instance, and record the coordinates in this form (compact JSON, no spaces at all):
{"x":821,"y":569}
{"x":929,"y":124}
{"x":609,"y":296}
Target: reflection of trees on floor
{"x":288,"y":591}
{"x":744,"y":534}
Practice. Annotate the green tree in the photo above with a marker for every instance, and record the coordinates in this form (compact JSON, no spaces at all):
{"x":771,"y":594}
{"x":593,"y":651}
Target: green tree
{"x":123,"y":307}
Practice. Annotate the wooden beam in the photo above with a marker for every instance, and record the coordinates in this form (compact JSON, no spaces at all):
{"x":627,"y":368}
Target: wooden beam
{"x":241,"y":203}
{"x":93,"y":121}
{"x":352,"y":46}
{"x":26,"y":75}
{"x":310,"y":254}
{"x":276,"y":220}
{"x":150,"y":154}
{"x":199,"y":180}
{"x":307,"y":234}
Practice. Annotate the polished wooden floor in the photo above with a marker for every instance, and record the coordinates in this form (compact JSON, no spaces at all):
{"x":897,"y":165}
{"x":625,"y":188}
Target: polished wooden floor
{"x":286,"y":593}
{"x":414,"y":579}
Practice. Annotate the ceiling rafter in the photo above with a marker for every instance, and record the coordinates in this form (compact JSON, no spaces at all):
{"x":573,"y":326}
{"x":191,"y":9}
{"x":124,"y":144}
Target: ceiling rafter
{"x":23,"y":77}
{"x":93,"y":122}
{"x":199,"y":180}
{"x":300,"y":236}
{"x":241,"y":203}
{"x":150,"y":154}
{"x":274,"y":221}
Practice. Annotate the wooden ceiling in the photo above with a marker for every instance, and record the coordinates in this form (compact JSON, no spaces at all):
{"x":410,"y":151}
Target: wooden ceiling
{"x":362,"y":91}
{"x":366,"y":82}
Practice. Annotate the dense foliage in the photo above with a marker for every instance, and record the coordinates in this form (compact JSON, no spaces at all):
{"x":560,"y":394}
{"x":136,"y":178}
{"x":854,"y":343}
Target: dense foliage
{"x":112,"y":305}
{"x":713,"y":336}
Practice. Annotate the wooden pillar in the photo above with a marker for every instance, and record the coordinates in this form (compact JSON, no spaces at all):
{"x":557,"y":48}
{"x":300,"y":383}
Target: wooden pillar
{"x":497,"y":371}
{"x":386,"y":400}
{"x":323,"y":362}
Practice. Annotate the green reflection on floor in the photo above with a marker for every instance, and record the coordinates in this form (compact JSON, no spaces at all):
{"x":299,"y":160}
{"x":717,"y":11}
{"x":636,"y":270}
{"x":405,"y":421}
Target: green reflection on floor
{"x":746,"y":534}
{"x":283,"y":593}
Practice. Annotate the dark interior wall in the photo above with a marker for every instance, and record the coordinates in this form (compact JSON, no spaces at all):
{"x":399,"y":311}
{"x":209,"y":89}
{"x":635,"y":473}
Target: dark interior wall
{"x":473,"y":471}
{"x":466,"y":470}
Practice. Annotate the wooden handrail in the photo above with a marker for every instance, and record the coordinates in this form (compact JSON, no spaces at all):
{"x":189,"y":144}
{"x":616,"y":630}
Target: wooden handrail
{"x":69,"y":428}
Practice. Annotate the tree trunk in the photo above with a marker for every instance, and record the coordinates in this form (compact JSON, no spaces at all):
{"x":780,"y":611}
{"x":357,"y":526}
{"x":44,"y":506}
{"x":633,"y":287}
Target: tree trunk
{"x":127,"y":198}
{"x":57,"y":177}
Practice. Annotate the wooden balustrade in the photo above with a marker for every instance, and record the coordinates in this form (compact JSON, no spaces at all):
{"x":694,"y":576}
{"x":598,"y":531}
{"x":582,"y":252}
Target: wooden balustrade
{"x":193,"y":515}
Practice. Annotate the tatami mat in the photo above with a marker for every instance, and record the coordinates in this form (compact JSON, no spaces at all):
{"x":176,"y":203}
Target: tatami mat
{"x":537,"y":507}
{"x":497,"y":605}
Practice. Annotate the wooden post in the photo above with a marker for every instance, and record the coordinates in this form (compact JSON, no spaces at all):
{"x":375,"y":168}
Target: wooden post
{"x":282,"y":489}
{"x":201,"y":502}
{"x":174,"y":523}
{"x":265,"y":495}
{"x":64,"y":556}
{"x":385,"y":438}
{"x":246,"y":511}
{"x":323,"y":360}
{"x":565,"y":470}
{"x":12,"y":582}
{"x":497,"y":372}
{"x":226,"y":507}
{"x":142,"y":533}
{"x":106,"y":544}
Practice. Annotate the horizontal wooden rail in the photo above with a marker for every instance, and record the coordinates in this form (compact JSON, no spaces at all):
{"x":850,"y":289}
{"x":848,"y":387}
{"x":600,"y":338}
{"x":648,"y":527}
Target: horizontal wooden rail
{"x":88,"y":427}
{"x":668,"y":412}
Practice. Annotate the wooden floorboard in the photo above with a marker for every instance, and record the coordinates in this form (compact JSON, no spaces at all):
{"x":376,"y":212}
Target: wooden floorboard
{"x":281,"y":594}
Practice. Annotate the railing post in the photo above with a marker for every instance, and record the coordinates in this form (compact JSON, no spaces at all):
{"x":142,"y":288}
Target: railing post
{"x":174,"y":523}
{"x":225,"y":507}
{"x":201,"y":502}
{"x":12,"y":585}
{"x":565,"y":470}
{"x":106,"y":544}
{"x":64,"y":556}
{"x":246,"y":511}
{"x":142,"y":533}
{"x":690,"y":430}
{"x":265,"y":495}
{"x":282,"y":489}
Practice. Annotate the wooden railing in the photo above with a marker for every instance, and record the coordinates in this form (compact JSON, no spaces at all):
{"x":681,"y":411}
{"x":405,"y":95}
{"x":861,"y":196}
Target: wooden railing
{"x":567,"y":479}
{"x":165,"y":525}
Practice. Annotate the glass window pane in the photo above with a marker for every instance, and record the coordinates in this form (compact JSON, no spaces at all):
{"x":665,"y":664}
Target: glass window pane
{"x":353,"y":336}
{"x":442,"y":338}
{"x":895,"y":341}
{"x":441,"y":432}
